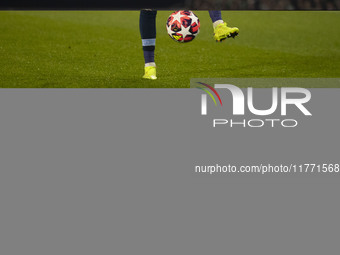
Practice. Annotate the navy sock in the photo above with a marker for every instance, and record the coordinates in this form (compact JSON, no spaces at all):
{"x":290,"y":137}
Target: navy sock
{"x":147,"y":28}
{"x":215,"y":15}
{"x":149,"y":56}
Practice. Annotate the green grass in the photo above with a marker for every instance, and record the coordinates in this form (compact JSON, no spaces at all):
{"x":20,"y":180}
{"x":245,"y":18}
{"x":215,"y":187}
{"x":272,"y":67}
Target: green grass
{"x":95,"y":49}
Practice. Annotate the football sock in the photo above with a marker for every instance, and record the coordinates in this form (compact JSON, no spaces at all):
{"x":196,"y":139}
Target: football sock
{"x":147,"y":28}
{"x":149,"y":54}
{"x":216,"y":17}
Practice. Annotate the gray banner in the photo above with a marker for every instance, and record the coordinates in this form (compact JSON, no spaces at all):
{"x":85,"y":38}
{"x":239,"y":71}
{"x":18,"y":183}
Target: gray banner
{"x":112,"y":172}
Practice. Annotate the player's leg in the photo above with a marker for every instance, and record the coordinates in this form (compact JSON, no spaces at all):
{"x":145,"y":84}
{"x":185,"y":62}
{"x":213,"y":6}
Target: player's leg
{"x":221,"y":30}
{"x":147,"y":27}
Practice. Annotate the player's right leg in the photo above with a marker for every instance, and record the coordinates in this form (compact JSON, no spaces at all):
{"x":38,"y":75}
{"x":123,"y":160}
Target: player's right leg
{"x":147,"y":28}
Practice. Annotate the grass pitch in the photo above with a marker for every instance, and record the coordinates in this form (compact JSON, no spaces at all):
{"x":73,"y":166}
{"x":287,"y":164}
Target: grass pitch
{"x":102,"y":49}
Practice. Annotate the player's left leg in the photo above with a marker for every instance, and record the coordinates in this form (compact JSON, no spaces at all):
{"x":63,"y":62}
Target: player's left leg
{"x":221,"y":30}
{"x":147,"y":27}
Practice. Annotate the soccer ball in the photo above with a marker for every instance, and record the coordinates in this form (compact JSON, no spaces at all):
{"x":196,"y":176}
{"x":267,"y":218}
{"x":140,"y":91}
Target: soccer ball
{"x":183,"y":26}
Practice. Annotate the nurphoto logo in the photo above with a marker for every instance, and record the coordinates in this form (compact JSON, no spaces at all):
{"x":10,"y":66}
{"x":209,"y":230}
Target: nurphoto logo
{"x":297,"y":97}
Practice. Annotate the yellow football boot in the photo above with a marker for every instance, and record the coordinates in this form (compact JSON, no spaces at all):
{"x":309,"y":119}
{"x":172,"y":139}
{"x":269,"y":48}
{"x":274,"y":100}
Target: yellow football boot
{"x":150,"y":73}
{"x":222,"y":32}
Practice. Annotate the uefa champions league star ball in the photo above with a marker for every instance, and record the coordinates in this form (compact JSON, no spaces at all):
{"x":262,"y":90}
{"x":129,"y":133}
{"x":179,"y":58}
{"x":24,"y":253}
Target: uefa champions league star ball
{"x":183,"y":26}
